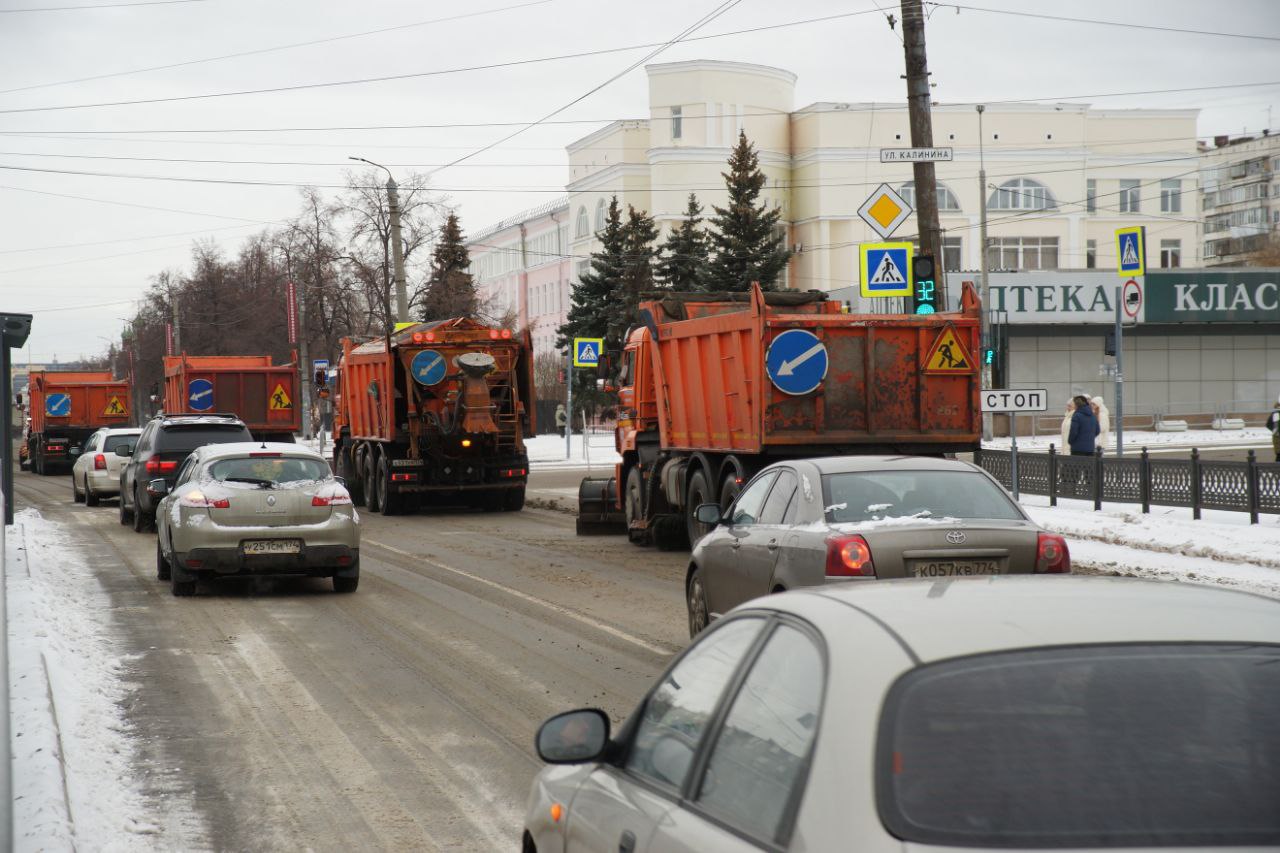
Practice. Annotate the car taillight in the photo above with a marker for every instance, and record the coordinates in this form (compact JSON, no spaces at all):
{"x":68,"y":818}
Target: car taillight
{"x":99,"y":462}
{"x":337,"y":498}
{"x":1052,"y":556}
{"x":158,"y":466}
{"x":198,"y":500}
{"x":849,"y":556}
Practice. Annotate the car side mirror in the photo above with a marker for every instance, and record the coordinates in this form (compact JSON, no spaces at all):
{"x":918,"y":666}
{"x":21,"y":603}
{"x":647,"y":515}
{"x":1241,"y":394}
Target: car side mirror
{"x":124,"y":450}
{"x":158,"y":487}
{"x":573,"y":737}
{"x":708,"y":514}
{"x":75,"y":451}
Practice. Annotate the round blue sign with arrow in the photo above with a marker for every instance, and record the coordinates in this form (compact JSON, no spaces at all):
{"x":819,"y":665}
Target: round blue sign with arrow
{"x":796,"y":362}
{"x":200,"y":395}
{"x":57,"y":405}
{"x":428,"y":367}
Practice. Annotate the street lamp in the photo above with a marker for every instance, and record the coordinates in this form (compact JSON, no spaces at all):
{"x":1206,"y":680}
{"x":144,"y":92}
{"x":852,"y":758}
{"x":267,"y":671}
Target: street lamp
{"x":397,"y":250}
{"x":984,"y":288}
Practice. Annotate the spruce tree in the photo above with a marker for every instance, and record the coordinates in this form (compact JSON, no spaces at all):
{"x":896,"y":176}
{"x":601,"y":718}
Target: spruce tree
{"x":638,"y":236}
{"x":592,"y":303}
{"x":745,"y":240}
{"x":684,"y":255}
{"x":451,"y":290}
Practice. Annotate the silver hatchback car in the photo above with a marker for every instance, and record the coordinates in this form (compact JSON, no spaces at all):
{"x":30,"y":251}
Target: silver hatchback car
{"x":809,"y":522}
{"x":1010,"y":713}
{"x":255,"y":509}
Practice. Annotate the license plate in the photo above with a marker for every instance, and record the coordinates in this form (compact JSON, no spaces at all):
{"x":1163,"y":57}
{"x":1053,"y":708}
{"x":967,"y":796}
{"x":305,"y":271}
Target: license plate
{"x":272,"y":546}
{"x":954,"y":568}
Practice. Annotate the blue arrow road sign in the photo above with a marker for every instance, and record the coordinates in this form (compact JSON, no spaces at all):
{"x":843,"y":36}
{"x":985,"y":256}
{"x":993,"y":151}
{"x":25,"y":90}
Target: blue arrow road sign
{"x":200,"y":395}
{"x":796,"y":362}
{"x":428,"y":367}
{"x":57,"y":405}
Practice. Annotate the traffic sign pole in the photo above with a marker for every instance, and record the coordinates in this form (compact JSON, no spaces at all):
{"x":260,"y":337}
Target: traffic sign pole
{"x":568,"y":421}
{"x":1119,"y":372}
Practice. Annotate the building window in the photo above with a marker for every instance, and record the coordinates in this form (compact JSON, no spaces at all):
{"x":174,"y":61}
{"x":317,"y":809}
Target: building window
{"x":1022,"y":194}
{"x":677,"y":122}
{"x":1170,"y":254}
{"x":583,"y":226}
{"x":1090,"y":254}
{"x":1023,"y":253}
{"x":583,"y":268}
{"x":600,"y":215}
{"x":1171,"y":196}
{"x":1130,"y":199}
{"x":1091,"y":196}
{"x":946,"y":198}
{"x":951,"y":254}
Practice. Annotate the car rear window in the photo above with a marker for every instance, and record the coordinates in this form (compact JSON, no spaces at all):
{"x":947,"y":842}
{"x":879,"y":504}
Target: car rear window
{"x":869,"y":495}
{"x":1094,"y":746}
{"x":175,"y":439}
{"x":269,"y":470}
{"x":114,"y":441}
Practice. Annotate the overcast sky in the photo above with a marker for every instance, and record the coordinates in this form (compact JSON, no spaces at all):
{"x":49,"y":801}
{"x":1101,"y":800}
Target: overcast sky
{"x":47,"y":266}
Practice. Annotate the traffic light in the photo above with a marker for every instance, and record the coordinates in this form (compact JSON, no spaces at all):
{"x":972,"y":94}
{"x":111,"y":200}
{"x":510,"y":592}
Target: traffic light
{"x":1109,"y":344}
{"x":988,"y":355}
{"x":925,"y":292}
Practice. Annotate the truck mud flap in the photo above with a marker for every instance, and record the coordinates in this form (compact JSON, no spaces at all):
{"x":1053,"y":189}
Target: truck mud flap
{"x":598,"y":507}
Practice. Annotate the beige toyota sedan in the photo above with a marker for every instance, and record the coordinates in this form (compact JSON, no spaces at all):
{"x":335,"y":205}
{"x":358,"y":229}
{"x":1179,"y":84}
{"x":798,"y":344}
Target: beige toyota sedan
{"x":255,"y":509}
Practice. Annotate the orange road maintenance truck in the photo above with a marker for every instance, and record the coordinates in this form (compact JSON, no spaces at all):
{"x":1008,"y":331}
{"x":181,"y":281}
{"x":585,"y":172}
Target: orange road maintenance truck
{"x":715,"y":386}
{"x":436,"y":411}
{"x":65,"y":408}
{"x":263,"y":395}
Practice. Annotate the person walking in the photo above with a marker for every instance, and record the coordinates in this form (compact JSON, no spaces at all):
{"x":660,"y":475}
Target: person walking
{"x":1273,"y":424}
{"x":1084,"y":428}
{"x":1103,"y":414}
{"x":1065,"y":446}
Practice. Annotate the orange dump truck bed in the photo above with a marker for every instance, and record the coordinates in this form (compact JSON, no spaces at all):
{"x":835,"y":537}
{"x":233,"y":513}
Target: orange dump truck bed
{"x":77,"y":399}
{"x":788,"y":371}
{"x":263,"y":395}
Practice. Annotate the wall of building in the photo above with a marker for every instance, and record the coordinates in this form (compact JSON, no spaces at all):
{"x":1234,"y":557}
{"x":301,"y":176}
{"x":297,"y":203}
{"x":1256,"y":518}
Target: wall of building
{"x":1240,"y":183}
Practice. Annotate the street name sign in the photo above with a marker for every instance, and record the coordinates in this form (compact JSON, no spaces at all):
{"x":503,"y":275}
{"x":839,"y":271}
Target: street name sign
{"x":1015,"y":400}
{"x":796,"y":362}
{"x":1131,"y":251}
{"x":916,"y":155}
{"x":884,"y":269}
{"x":586,"y":351}
{"x":884,"y":210}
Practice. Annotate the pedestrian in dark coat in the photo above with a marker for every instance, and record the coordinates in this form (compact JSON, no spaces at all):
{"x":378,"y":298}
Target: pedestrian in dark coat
{"x":1084,"y":428}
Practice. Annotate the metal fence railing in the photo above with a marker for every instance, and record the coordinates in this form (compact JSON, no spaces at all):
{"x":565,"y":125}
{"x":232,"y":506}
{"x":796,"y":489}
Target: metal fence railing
{"x":1249,"y":486}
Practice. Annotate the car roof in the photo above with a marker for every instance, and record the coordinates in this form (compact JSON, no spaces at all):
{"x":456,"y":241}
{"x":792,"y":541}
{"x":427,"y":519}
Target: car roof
{"x":953,"y":617}
{"x":245,"y":448}
{"x":854,"y":464}
{"x":121,"y":430}
{"x":198,"y":420}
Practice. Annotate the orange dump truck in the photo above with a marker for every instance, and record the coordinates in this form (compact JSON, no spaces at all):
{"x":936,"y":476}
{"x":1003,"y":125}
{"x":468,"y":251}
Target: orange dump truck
{"x":717,"y":386}
{"x":440,"y":414}
{"x":66,"y":407}
{"x":263,"y":395}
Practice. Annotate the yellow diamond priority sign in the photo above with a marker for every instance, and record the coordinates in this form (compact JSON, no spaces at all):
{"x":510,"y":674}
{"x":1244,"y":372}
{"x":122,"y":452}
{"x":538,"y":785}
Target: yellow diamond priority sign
{"x":884,"y":211}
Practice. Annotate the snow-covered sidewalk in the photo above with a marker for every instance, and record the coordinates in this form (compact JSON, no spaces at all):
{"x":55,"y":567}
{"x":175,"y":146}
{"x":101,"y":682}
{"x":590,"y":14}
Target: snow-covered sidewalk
{"x":73,"y":783}
{"x":1135,"y":440}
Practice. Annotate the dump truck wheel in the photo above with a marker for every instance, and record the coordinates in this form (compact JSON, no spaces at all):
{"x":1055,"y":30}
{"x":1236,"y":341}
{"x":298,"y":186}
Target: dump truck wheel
{"x":388,"y":500}
{"x":513,"y":500}
{"x":729,"y":490}
{"x":670,"y":533}
{"x":370,"y":468}
{"x":697,"y":493}
{"x":633,"y":507}
{"x":347,"y":471}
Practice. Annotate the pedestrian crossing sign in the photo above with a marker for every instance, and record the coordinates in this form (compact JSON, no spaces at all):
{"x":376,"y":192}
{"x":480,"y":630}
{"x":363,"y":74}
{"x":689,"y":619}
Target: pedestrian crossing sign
{"x":1131,"y":251}
{"x":948,"y":355}
{"x":586,"y":351}
{"x":885,"y":269}
{"x":115,"y":408}
{"x":280,"y":400}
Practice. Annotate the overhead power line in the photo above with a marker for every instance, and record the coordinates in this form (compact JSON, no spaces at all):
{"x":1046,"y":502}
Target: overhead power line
{"x":1124,"y":24}
{"x":274,"y":49}
{"x":101,"y":6}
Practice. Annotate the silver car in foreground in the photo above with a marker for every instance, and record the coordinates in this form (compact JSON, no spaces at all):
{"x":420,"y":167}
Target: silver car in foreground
{"x":96,"y":472}
{"x":809,"y":522}
{"x":1012,"y":713}
{"x":255,"y":509}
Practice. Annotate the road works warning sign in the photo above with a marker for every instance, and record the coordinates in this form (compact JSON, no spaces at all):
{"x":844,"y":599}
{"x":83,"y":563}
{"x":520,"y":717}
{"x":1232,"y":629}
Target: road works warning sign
{"x":280,"y":399}
{"x":948,"y":355}
{"x":885,"y":269}
{"x":115,"y":408}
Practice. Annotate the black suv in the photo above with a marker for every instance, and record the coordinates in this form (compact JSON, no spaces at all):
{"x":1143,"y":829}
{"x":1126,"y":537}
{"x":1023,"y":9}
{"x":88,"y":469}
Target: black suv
{"x":165,"y":442}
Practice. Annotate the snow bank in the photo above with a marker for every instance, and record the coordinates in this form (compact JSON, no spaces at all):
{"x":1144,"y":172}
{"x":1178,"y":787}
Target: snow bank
{"x":1135,"y":440}
{"x":73,"y":780}
{"x":548,"y":451}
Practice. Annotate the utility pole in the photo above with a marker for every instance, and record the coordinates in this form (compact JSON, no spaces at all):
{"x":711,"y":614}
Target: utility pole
{"x":177,"y":327}
{"x":984,"y":292}
{"x":397,"y":247}
{"x":304,"y":364}
{"x":918,"y":101}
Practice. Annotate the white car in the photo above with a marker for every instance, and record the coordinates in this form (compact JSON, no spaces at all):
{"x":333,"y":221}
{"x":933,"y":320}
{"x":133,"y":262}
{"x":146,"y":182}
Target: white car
{"x":96,"y":472}
{"x":1010,"y":712}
